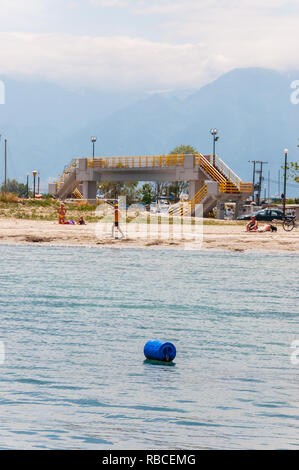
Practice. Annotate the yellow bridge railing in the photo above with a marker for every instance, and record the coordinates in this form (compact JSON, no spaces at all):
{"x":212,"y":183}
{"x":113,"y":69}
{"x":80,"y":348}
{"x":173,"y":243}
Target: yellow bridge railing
{"x":187,"y":207}
{"x":203,"y":162}
{"x":199,"y":196}
{"x":224,"y":169}
{"x":69,"y":169}
{"x":151,"y":161}
{"x":218,"y":171}
{"x":77,"y":194}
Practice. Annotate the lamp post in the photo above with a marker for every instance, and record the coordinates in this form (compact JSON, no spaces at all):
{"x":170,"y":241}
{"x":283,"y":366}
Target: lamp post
{"x":93,"y":140}
{"x":214,"y":133}
{"x":38,"y":182}
{"x":285,"y":181}
{"x":34,"y":176}
{"x":27,"y":186}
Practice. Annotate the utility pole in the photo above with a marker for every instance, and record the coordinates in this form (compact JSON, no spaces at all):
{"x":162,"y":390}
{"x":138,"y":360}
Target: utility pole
{"x":260,"y":179}
{"x":269,"y":185}
{"x":5,"y":165}
{"x":253,"y":177}
{"x":260,"y":171}
{"x":34,"y":176}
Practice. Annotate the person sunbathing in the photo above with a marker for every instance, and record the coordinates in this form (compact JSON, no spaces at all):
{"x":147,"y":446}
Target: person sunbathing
{"x":81,"y":221}
{"x":252,"y":225}
{"x":268,"y":228}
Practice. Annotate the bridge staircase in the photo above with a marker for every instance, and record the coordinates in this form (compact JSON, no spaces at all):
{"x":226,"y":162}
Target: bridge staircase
{"x":220,"y":182}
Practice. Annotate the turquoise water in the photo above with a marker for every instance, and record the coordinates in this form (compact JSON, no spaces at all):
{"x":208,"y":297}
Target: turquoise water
{"x":75,"y":320}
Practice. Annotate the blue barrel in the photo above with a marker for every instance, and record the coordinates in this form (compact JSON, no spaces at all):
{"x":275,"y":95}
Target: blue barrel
{"x":160,"y":351}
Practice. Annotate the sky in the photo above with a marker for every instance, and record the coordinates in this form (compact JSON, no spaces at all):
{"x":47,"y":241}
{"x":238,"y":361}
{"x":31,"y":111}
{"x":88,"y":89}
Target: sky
{"x":147,"y":45}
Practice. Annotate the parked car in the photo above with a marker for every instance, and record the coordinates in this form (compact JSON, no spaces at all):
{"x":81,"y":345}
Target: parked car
{"x":265,"y":214}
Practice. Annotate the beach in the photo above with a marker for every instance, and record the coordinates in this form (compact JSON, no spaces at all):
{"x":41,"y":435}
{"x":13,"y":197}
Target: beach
{"x":226,"y":236}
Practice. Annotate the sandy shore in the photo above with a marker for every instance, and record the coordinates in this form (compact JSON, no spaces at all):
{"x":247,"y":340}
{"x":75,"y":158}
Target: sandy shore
{"x":223,"y":237}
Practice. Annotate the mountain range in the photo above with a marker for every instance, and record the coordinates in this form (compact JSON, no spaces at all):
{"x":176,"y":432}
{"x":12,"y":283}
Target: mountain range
{"x":46,"y":125}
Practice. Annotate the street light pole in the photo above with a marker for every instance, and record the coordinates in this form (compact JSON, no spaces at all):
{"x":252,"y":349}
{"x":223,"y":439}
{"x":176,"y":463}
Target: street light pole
{"x":34,"y":176}
{"x":93,"y":140}
{"x":214,"y":133}
{"x":285,"y":181}
{"x":38,"y":182}
{"x":27,"y":186}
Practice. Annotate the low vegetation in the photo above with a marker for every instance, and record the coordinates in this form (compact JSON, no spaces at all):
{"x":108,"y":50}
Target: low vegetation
{"x":11,"y":206}
{"x":43,"y":209}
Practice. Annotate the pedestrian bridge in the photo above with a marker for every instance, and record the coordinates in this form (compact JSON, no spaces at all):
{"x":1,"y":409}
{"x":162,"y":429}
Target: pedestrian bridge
{"x":211,"y":181}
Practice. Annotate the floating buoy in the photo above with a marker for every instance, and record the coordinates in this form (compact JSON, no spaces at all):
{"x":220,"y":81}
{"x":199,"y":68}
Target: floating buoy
{"x":159,"y":351}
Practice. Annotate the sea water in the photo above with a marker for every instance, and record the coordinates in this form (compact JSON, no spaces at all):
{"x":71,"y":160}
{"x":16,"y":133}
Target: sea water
{"x":74,"y":322}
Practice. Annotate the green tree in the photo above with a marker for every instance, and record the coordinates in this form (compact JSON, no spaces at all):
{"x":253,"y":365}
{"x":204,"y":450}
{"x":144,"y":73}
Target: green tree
{"x":112,"y":190}
{"x":13,"y":186}
{"x":293,"y":171}
{"x":147,"y":192}
{"x":176,"y":188}
{"x":183,"y":149}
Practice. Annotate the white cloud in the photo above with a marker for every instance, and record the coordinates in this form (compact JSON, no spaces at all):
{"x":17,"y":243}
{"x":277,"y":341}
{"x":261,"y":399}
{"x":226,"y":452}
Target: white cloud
{"x":108,"y":3}
{"x":197,"y":41}
{"x":100,"y":61}
{"x":21,"y":13}
{"x":122,"y":62}
{"x":188,"y":7}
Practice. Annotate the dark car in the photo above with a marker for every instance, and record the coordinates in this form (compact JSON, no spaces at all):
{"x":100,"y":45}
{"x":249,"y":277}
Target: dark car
{"x":265,"y":214}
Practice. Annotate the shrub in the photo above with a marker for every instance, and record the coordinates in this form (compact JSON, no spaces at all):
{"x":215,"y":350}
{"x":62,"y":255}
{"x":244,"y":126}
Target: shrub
{"x":8,"y":197}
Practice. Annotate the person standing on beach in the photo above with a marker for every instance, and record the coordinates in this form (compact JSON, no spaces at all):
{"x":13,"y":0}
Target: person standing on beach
{"x":61,"y":213}
{"x":116,"y":222}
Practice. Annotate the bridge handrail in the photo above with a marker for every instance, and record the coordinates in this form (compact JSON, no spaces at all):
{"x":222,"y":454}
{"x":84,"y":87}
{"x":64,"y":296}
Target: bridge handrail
{"x":199,"y":195}
{"x":186,"y":207}
{"x":227,"y":171}
{"x":202,"y":161}
{"x":144,"y":161}
{"x":228,"y":181}
{"x":69,"y":169}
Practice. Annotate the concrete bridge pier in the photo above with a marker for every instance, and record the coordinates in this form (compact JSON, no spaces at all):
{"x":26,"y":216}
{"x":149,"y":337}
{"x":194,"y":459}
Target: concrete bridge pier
{"x":238,"y":209}
{"x":194,"y":187}
{"x":220,"y":210}
{"x":89,"y":190}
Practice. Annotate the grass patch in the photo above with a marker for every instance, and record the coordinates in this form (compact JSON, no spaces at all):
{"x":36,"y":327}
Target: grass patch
{"x":46,"y":209}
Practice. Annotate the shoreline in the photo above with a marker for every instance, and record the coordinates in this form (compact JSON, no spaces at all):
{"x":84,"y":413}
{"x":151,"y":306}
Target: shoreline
{"x":230,"y":237}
